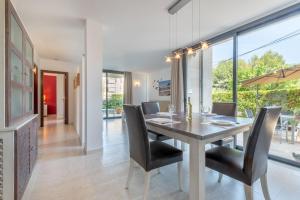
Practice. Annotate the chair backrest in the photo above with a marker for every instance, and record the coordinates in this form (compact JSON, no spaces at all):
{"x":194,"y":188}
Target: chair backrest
{"x":139,"y":147}
{"x":150,"y":107}
{"x":249,"y":113}
{"x":227,"y":109}
{"x":258,"y":145}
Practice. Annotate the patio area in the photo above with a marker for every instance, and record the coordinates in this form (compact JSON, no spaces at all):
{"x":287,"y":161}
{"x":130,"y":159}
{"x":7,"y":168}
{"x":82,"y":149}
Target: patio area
{"x":281,"y":146}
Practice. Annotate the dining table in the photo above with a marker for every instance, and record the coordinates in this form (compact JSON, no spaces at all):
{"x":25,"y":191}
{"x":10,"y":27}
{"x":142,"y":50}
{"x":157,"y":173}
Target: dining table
{"x":202,"y":129}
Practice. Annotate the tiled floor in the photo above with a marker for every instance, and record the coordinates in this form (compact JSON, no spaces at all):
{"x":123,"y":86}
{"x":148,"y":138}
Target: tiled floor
{"x":64,"y":173}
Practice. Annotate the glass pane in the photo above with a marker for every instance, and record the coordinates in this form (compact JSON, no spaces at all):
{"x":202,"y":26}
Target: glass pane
{"x":16,"y":102}
{"x":218,"y":73}
{"x":115,"y":86}
{"x":263,"y":51}
{"x":16,"y":34}
{"x":16,"y":68}
{"x":193,"y":80}
{"x":28,"y":76}
{"x":104,"y":104}
{"x":28,"y":52}
{"x":28,"y":102}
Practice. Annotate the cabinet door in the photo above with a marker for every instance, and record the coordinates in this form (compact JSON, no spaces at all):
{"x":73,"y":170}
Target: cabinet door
{"x":33,"y":143}
{"x":28,"y":101}
{"x":22,"y":160}
{"x":28,"y":52}
{"x":16,"y":102}
{"x":16,"y":34}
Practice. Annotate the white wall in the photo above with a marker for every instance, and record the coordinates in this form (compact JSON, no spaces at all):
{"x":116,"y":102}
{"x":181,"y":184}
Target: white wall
{"x":162,"y":74}
{"x":2,"y":63}
{"x":139,"y":88}
{"x":93,"y":85}
{"x":55,"y":65}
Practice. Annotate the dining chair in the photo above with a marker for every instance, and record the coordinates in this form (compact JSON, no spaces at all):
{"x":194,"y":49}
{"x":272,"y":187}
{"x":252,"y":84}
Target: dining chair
{"x":252,"y":164}
{"x":249,"y":113}
{"x":148,"y":155}
{"x":153,"y":107}
{"x":227,"y":109}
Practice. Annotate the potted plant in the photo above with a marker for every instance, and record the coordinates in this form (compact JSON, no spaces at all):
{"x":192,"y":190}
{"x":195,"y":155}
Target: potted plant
{"x":119,"y":110}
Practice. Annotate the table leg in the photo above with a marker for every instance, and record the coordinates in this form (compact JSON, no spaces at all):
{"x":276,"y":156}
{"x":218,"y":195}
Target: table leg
{"x":197,"y":170}
{"x":245,"y":139}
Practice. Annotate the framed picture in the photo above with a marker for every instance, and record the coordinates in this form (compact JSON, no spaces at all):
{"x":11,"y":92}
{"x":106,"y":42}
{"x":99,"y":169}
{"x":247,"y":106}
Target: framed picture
{"x":164,"y":88}
{"x":74,"y":83}
{"x":78,"y":79}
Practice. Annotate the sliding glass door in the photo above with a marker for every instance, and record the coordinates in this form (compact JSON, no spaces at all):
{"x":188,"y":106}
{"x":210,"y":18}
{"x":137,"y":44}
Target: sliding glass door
{"x":112,"y":94}
{"x":264,"y":50}
{"x":248,"y":52}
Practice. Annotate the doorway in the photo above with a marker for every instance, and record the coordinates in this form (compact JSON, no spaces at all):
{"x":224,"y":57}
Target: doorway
{"x":112,"y":94}
{"x":54,"y":97}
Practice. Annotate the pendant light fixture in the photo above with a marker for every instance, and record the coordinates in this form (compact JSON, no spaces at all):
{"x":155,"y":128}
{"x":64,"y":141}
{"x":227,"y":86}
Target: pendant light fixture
{"x":168,"y":57}
{"x":203,"y":45}
{"x":190,"y":51}
{"x":177,"y":54}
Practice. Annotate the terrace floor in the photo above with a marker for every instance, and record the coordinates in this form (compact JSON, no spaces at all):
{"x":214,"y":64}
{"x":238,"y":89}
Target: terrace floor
{"x":281,"y":146}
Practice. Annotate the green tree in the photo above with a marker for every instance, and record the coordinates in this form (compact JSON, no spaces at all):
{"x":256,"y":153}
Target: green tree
{"x":284,"y":93}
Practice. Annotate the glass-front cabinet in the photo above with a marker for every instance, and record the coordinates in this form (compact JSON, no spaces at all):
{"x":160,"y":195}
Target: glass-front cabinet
{"x":19,"y":62}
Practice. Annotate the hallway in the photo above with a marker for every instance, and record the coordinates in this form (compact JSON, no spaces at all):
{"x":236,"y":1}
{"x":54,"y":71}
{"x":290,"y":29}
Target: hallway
{"x":62,"y":172}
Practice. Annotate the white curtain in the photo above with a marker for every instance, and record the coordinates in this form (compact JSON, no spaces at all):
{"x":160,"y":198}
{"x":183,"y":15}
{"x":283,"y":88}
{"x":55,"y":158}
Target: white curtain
{"x":128,"y":88}
{"x":177,"y":85}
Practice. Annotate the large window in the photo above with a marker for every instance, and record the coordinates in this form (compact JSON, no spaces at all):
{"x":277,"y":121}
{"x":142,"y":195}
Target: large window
{"x":222,"y":71}
{"x":112,"y":94}
{"x":250,"y":51}
{"x":262,"y":51}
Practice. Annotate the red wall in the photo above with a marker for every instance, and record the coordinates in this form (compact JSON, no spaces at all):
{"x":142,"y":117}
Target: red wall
{"x":50,"y":93}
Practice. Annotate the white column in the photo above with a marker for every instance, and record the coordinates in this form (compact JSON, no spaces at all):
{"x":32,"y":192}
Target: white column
{"x":2,"y":63}
{"x":93,"y":82}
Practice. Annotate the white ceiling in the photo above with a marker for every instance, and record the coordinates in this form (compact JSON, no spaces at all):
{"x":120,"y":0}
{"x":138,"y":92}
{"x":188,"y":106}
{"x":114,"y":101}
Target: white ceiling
{"x":136,"y":32}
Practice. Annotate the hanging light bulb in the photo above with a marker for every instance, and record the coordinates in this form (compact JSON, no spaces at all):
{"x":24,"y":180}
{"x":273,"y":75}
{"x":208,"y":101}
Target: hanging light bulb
{"x":177,"y":56}
{"x":204,"y":45}
{"x":168,"y":59}
{"x":190,"y":51}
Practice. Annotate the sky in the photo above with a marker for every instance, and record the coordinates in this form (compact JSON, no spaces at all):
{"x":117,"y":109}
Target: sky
{"x":289,"y":48}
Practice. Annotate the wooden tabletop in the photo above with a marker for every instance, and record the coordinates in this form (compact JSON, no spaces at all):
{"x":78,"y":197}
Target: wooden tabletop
{"x":197,"y":128}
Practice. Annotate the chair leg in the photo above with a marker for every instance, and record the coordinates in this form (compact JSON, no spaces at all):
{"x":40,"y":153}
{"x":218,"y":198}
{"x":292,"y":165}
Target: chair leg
{"x":180,"y":176}
{"x":248,"y":192}
{"x":175,"y":143}
{"x":182,"y":146}
{"x":158,"y":170}
{"x":264,"y":186}
{"x":130,"y":173}
{"x":220,"y":177}
{"x":147,"y":184}
{"x":234,"y":141}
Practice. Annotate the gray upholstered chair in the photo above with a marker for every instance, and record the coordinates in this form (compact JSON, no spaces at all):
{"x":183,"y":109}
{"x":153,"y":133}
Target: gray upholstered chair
{"x":249,"y":113}
{"x":149,"y":155}
{"x":227,"y":109}
{"x":153,"y":108}
{"x":251,"y":165}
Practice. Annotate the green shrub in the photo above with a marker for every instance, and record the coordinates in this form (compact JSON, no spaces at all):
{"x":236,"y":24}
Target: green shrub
{"x":289,"y":100}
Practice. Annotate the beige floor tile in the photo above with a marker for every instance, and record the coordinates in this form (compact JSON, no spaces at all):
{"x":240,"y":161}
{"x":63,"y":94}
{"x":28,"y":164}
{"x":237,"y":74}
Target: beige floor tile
{"x":62,"y":172}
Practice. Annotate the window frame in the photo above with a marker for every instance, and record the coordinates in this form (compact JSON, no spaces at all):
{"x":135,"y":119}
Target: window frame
{"x":235,"y":33}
